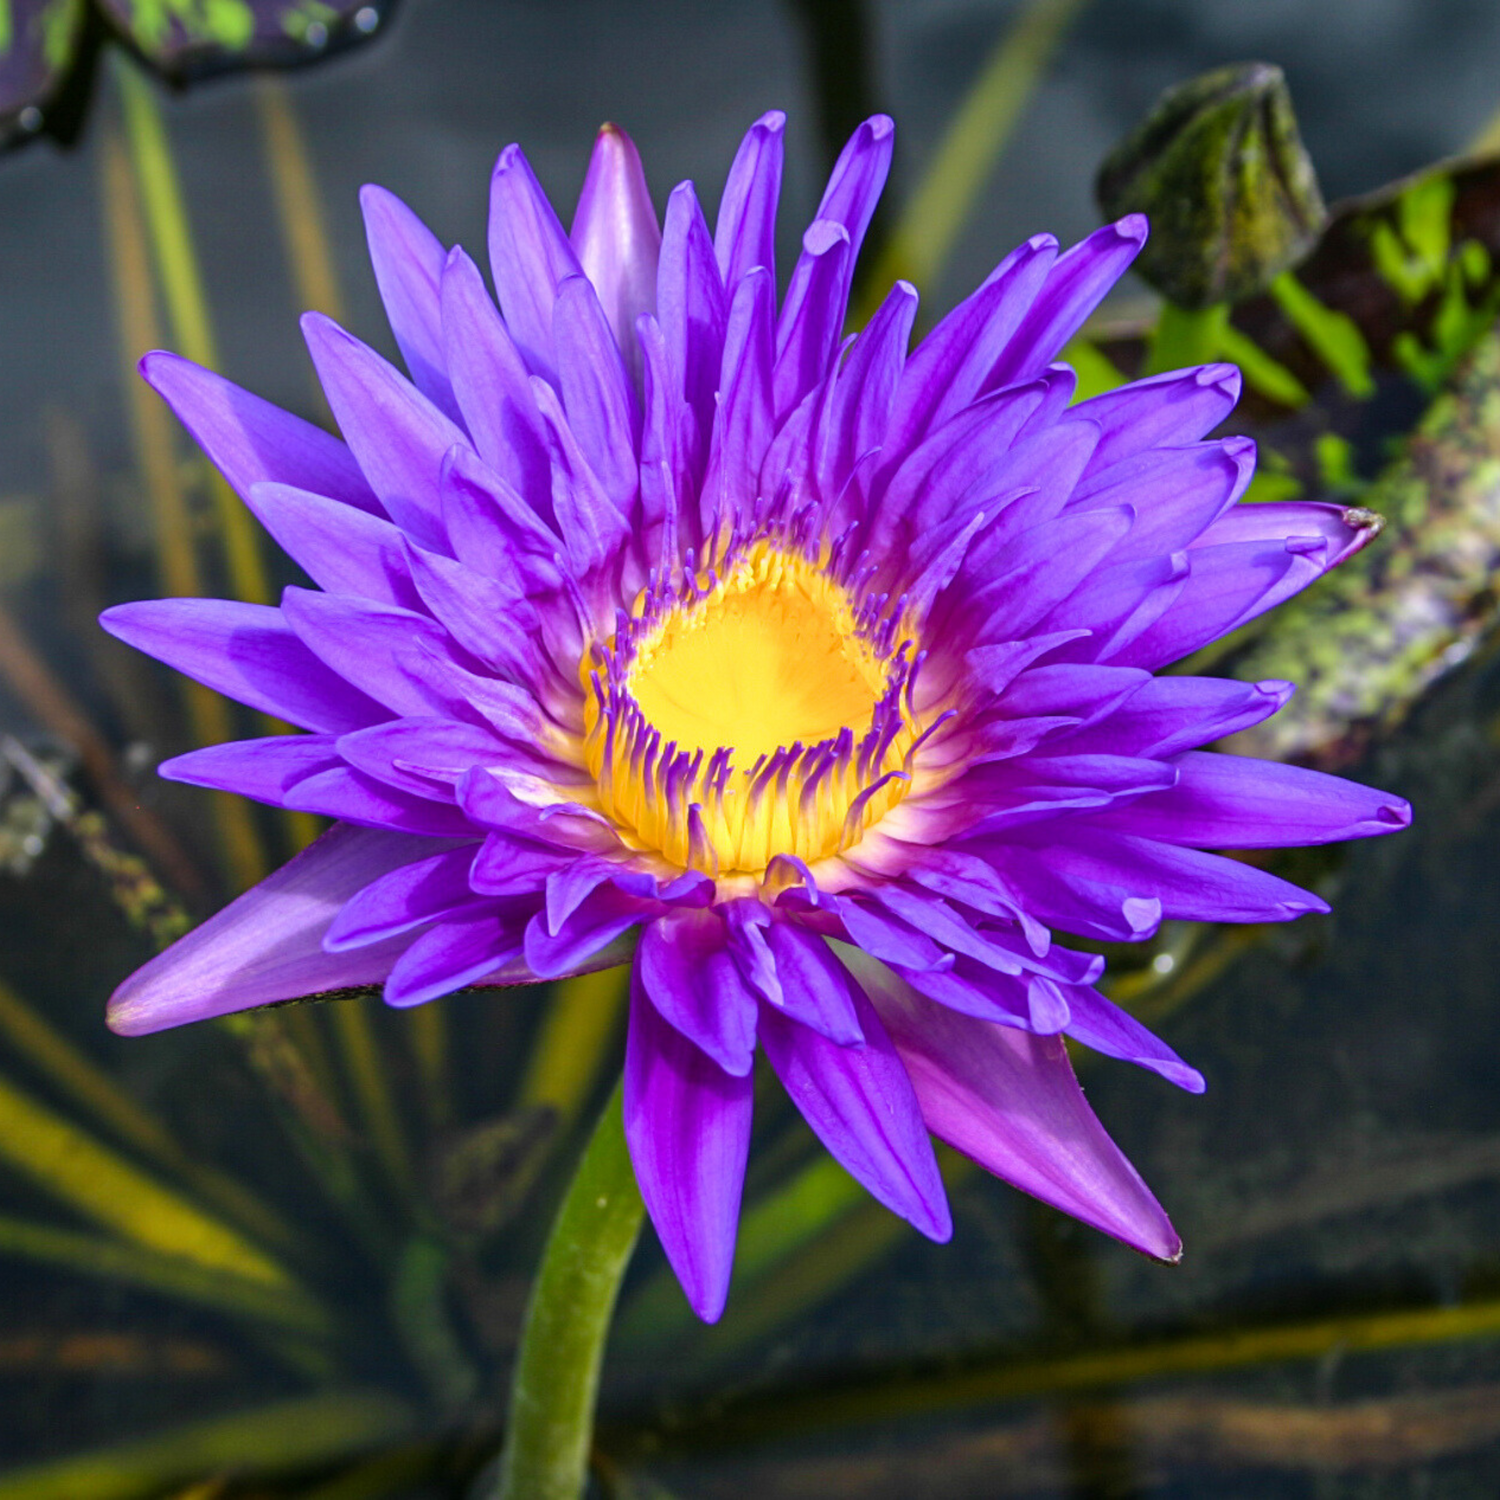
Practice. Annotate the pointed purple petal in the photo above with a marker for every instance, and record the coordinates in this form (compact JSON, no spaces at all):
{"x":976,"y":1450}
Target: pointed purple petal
{"x":1009,"y":1100}
{"x":529,"y":256}
{"x":616,"y":236}
{"x":860,"y":1104}
{"x":249,"y":653}
{"x":687,"y":1123}
{"x":397,"y":435}
{"x":408,"y":262}
{"x":745,"y":231}
{"x":268,"y":945}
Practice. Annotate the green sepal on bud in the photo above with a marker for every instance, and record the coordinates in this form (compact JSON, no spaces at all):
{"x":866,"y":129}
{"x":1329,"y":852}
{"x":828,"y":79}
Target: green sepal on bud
{"x":1219,"y":168}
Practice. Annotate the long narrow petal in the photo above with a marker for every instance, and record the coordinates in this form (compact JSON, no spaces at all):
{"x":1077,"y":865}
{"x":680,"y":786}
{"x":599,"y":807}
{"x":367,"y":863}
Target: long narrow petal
{"x":408,"y":262}
{"x":268,"y":945}
{"x":616,"y":237}
{"x":343,"y":550}
{"x":861,"y":1105}
{"x":457,"y":950}
{"x":249,"y":440}
{"x":1236,"y":802}
{"x":249,"y":653}
{"x":745,"y":231}
{"x":404,"y":899}
{"x":529,"y":256}
{"x":687,"y":1123}
{"x":1009,"y":1100}
{"x":397,"y":435}
{"x":686,"y":970}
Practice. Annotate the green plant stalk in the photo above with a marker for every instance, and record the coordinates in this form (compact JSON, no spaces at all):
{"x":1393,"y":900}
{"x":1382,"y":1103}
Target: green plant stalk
{"x":372,"y":1090}
{"x":307,"y":1432}
{"x":163,"y":1273}
{"x":94,"y":1090}
{"x":187,"y":308}
{"x":930,"y":223}
{"x":877,"y":1396}
{"x":553,"y":1391}
{"x":151,"y":425}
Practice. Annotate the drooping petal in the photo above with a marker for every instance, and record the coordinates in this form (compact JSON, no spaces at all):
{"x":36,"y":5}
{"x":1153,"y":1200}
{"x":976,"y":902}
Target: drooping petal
{"x":687,"y":1123}
{"x":268,"y":945}
{"x":1009,"y":1100}
{"x":860,"y":1104}
{"x":686,"y":970}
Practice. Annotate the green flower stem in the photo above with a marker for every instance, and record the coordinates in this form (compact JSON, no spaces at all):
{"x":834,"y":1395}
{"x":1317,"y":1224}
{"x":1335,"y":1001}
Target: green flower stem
{"x":551,"y":1420}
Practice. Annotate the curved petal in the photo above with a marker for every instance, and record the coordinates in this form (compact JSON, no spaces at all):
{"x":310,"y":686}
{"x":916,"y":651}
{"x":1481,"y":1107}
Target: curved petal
{"x":861,"y":1105}
{"x":268,"y":945}
{"x":687,"y":1123}
{"x":1009,"y":1100}
{"x":616,"y":237}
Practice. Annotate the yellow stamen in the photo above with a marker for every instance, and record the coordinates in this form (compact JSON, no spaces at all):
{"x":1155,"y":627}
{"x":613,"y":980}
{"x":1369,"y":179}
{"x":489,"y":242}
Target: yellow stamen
{"x":749,"y":718}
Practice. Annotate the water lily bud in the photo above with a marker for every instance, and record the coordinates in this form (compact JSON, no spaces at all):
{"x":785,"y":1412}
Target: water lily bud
{"x":1220,"y":170}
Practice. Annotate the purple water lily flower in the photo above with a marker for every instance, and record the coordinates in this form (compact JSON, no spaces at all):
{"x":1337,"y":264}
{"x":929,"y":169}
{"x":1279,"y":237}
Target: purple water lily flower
{"x":650,"y":609}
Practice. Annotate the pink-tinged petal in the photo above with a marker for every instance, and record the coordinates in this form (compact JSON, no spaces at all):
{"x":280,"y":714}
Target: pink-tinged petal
{"x":268,"y":945}
{"x":1235,"y":802}
{"x":687,"y":1123}
{"x":492,"y":385}
{"x":1009,"y":1100}
{"x":249,"y":440}
{"x":397,"y":435}
{"x":342,"y":550}
{"x":616,"y":237}
{"x":529,"y":256}
{"x":408,"y":262}
{"x":404,"y":899}
{"x":861,"y":1105}
{"x":1076,"y":285}
{"x":686,"y":970}
{"x":249,"y":653}
{"x":1161,"y":411}
{"x":745,"y":231}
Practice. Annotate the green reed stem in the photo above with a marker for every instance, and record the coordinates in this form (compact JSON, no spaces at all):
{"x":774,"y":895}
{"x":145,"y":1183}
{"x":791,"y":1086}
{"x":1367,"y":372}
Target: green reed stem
{"x":187,"y":307}
{"x":1183,"y":338}
{"x":307,"y":1432}
{"x":551,"y":1421}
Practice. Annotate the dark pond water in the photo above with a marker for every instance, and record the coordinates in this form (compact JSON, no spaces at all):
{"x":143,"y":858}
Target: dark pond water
{"x":1344,"y":1164}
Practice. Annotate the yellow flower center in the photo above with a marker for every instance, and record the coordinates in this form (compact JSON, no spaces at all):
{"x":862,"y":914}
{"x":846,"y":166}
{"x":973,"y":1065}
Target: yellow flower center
{"x":756,"y":714}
